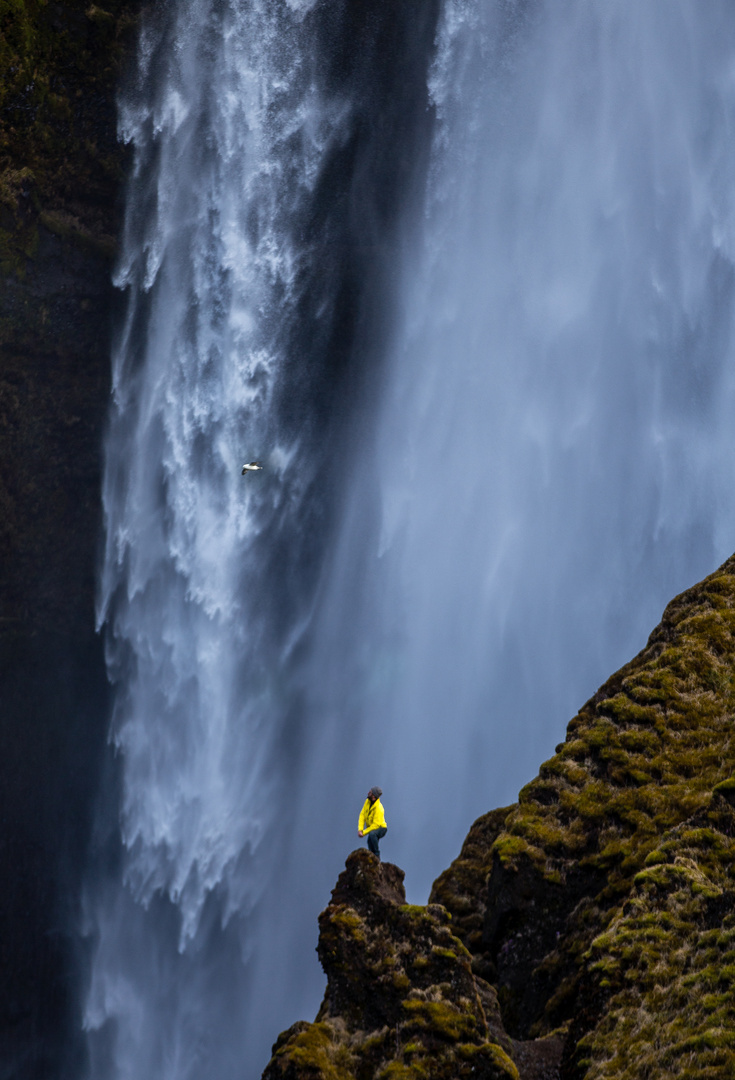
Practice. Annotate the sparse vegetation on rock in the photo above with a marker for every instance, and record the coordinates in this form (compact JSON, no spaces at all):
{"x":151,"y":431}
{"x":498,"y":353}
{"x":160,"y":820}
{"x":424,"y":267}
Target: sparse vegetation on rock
{"x":608,"y":888}
{"x":594,"y":921}
{"x":402,"y":1002}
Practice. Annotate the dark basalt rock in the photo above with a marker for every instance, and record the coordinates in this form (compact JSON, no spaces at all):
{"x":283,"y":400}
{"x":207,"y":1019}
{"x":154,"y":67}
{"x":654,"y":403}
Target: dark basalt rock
{"x":401,"y":997}
{"x":60,"y":171}
{"x":463,"y":887}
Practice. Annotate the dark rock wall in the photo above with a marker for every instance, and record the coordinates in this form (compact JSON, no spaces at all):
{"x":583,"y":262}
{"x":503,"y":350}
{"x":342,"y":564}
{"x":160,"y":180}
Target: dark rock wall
{"x":60,"y":172}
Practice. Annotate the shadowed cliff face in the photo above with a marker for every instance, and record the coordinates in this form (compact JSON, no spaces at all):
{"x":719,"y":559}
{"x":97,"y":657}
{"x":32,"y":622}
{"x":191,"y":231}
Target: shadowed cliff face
{"x":54,"y":316}
{"x":588,"y":931}
{"x":60,"y":166}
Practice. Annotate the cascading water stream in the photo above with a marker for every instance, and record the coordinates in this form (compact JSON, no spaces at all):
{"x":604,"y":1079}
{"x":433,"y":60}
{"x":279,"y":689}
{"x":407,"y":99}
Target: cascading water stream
{"x":519,"y":449}
{"x":229,"y":134}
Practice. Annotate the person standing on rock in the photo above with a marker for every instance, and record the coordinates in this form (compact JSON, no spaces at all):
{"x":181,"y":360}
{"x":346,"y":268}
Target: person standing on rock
{"x":372,"y":820}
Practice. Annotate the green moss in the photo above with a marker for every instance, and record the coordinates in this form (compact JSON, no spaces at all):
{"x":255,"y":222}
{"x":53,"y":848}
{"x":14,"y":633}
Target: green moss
{"x":726,"y":788}
{"x":313,"y":1050}
{"x":670,"y":976}
{"x":623,"y":809}
{"x":399,"y":1070}
{"x":373,"y":1044}
{"x":443,"y":1019}
{"x":347,"y":920}
{"x":488,"y":1059}
{"x":446,"y":954}
{"x":510,"y":848}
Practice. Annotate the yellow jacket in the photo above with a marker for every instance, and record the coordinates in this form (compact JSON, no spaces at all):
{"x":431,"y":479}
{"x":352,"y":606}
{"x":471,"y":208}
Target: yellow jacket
{"x":372,"y":816}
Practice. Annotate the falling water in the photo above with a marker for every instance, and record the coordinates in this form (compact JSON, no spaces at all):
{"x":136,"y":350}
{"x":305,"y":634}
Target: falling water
{"x":255,"y":248}
{"x":228,"y":133}
{"x":496,"y":429}
{"x":554,"y":447}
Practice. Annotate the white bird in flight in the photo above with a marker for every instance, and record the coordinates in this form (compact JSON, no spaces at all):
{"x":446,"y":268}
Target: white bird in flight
{"x":251,"y":466}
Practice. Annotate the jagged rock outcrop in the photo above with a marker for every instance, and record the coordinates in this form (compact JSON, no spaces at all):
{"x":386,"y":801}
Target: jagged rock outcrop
{"x":402,"y":1000}
{"x":595,"y":919}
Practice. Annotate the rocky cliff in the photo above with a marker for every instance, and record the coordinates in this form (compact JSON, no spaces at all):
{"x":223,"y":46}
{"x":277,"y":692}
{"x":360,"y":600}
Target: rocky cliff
{"x":586,"y":932}
{"x":60,"y":172}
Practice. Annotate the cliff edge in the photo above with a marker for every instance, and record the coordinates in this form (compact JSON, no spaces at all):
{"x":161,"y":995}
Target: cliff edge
{"x":587,"y":931}
{"x":401,"y":999}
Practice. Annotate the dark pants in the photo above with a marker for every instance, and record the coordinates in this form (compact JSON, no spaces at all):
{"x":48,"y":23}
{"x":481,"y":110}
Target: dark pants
{"x":373,"y":837}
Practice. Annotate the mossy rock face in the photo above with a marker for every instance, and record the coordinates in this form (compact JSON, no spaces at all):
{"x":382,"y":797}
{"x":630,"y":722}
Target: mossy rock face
{"x":61,"y":64}
{"x":615,"y":865}
{"x":726,"y":790}
{"x":667,"y":962}
{"x":61,"y":167}
{"x":311,"y":1050}
{"x":601,"y":906}
{"x":462,"y":889}
{"x":402,"y":1000}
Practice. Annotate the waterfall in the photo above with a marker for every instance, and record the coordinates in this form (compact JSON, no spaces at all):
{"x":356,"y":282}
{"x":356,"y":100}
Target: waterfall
{"x":272,"y":144}
{"x":476,"y":319}
{"x":554,"y":447}
{"x":228,"y":132}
